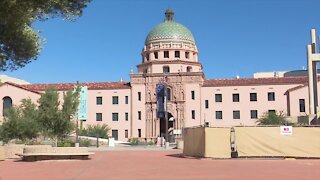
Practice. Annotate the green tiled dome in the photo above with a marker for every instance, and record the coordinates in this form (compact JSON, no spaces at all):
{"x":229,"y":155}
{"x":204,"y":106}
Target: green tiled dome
{"x":170,"y":31}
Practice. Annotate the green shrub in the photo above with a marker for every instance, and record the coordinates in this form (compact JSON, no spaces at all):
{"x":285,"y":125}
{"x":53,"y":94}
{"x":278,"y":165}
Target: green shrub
{"x":83,"y":132}
{"x":134,"y":141}
{"x":95,"y":130}
{"x":84,"y":143}
{"x":273,"y":118}
{"x":150,"y":143}
{"x":20,"y":122}
{"x":66,"y":143}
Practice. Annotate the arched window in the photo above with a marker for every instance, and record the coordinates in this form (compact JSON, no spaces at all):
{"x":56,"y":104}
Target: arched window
{"x":189,"y":69}
{"x":166,"y":69}
{"x":7,"y":104}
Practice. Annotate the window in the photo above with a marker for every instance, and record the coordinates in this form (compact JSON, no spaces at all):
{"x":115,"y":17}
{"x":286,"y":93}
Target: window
{"x":139,"y":132}
{"x":127,"y":116}
{"x":189,"y":69}
{"x":115,"y":134}
{"x":193,"y":114}
{"x":166,"y":69}
{"x":235,"y":97}
{"x":115,"y":116}
{"x":218,"y":114}
{"x":177,"y":54}
{"x":126,"y":134}
{"x":98,"y":116}
{"x":302,"y":105}
{"x":7,"y":104}
{"x":99,"y":100}
{"x":156,"y":55}
{"x":168,"y":94}
{"x":271,"y":96}
{"x":253,"y":96}
{"x":254,"y":114}
{"x":192,"y":95}
{"x":139,"y":115}
{"x":166,"y":54}
{"x":187,"y":55}
{"x":218,"y":97}
{"x":139,"y":96}
{"x":206,"y":104}
{"x":236,"y":114}
{"x":147,"y":57}
{"x":272,"y":111}
{"x":126,"y":100}
{"x":115,"y":100}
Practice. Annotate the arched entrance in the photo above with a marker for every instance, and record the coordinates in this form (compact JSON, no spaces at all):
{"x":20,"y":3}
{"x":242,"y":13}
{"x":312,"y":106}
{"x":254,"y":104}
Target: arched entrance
{"x":170,"y":126}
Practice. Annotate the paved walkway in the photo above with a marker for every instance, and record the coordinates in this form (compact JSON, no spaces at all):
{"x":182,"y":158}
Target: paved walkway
{"x":159,"y":165}
{"x":131,"y":148}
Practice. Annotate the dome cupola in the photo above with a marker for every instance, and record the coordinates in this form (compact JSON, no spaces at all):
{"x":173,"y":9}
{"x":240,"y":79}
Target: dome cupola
{"x":169,"y":48}
{"x":170,"y":31}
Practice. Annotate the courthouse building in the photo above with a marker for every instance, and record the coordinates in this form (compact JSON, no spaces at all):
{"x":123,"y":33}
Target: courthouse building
{"x":170,"y":57}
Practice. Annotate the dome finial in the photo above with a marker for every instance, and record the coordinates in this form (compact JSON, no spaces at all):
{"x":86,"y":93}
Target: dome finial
{"x":169,"y":15}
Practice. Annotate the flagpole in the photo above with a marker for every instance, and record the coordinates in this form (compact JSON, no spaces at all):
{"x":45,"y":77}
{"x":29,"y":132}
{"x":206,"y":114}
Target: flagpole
{"x":77,"y":124}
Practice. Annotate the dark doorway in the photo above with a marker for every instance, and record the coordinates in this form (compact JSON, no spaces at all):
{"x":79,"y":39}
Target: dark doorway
{"x":115,"y":134}
{"x":170,"y":126}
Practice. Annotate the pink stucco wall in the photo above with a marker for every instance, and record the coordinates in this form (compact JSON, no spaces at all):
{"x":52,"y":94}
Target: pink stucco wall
{"x":138,"y":105}
{"x":294,"y":96}
{"x":107,"y":108}
{"x":227,"y":106}
{"x":16,"y":94}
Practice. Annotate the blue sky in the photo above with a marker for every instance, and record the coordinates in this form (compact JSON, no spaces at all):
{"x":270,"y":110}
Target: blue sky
{"x":237,"y":37}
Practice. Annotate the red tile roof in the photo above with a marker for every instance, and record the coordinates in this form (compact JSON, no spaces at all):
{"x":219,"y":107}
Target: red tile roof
{"x":300,"y":81}
{"x":67,"y":86}
{"x":255,"y":81}
{"x":297,"y":87}
{"x":20,"y":86}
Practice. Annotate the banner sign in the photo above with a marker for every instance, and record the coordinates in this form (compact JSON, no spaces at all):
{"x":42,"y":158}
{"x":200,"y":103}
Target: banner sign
{"x":82,"y":112}
{"x":286,"y":130}
{"x":161,"y":100}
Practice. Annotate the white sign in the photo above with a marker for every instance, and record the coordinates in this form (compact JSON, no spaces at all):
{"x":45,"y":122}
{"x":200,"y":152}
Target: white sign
{"x":286,"y":130}
{"x":111,"y":142}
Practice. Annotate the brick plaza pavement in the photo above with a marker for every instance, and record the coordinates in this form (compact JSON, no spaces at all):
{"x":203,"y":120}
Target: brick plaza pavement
{"x":159,"y":164}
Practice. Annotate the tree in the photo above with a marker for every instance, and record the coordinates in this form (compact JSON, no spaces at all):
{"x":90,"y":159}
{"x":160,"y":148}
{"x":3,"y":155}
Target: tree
{"x":19,"y":42}
{"x":55,"y":122}
{"x":273,"y":118}
{"x":20,"y":122}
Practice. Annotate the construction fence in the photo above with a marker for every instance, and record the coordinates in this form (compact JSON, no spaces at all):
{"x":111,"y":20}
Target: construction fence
{"x":304,"y":142}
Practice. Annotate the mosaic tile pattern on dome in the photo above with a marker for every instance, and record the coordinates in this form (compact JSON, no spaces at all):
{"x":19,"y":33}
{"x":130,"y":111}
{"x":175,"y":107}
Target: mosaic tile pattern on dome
{"x":170,"y":30}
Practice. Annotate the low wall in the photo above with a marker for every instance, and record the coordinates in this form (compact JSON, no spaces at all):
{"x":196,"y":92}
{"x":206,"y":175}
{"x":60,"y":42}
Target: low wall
{"x":54,"y":150}
{"x":2,"y":153}
{"x":252,"y":142}
{"x":11,"y":150}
